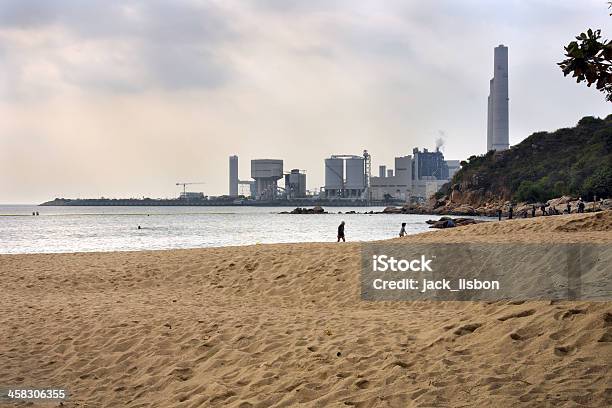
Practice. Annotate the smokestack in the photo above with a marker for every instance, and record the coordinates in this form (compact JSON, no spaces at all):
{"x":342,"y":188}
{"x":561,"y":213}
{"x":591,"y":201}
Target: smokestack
{"x":233,"y":176}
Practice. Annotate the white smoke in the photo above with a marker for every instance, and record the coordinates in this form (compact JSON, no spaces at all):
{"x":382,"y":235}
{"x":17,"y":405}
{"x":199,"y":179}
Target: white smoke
{"x":440,"y":140}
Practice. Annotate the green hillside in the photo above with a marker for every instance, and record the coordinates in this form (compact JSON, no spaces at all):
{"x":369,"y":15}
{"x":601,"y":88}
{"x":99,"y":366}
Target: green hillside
{"x":572,"y":161}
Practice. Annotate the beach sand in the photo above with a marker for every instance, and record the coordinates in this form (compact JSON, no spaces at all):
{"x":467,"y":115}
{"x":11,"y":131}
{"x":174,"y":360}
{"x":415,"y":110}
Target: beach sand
{"x":284,"y":325}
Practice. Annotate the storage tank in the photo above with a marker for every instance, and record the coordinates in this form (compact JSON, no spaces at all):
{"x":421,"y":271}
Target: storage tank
{"x":355,"y":173}
{"x":334,"y":174}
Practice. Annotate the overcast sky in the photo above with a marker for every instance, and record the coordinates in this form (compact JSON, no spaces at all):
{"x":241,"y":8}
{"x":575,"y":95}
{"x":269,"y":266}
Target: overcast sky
{"x":126,"y":98}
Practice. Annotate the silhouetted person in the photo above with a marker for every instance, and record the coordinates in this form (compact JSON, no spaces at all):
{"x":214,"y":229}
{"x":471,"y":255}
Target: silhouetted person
{"x":580,"y":206}
{"x":139,"y":227}
{"x":543,"y":209}
{"x":37,"y":213}
{"x":403,"y":230}
{"x":533,"y":210}
{"x":341,"y":232}
{"x":510,"y":211}
{"x":499,"y":214}
{"x":569,"y":208}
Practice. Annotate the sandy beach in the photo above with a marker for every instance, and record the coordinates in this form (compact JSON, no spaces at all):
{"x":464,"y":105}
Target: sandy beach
{"x":283,"y":325}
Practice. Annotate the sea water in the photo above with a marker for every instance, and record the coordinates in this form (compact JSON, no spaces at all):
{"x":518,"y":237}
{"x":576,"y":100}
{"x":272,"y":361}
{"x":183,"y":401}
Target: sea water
{"x":93,"y":229}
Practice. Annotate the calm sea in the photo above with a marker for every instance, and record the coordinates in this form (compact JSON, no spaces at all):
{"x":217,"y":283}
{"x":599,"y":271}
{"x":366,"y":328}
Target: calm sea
{"x":90,"y":229}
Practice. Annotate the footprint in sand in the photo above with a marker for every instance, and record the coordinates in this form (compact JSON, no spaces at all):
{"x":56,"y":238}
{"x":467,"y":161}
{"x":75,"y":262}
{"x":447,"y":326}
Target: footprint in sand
{"x":467,"y":329}
{"x":523,"y":313}
{"x":606,"y":337}
{"x":563,"y":351}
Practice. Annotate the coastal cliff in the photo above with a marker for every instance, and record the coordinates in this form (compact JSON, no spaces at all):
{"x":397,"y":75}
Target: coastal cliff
{"x":573,"y":162}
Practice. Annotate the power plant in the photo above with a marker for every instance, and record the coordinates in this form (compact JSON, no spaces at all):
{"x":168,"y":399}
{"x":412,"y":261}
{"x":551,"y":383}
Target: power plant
{"x":348,"y":177}
{"x":497,"y":112}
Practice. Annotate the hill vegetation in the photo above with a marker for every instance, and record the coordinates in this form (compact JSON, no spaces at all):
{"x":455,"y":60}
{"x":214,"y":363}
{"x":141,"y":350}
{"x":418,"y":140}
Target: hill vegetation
{"x":571,"y":161}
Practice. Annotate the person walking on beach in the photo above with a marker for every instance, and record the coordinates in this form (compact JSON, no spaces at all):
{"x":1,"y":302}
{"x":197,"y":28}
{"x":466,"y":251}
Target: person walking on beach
{"x":403,"y":230}
{"x":580,"y":206}
{"x":510,"y":210}
{"x":543,"y":209}
{"x":533,"y":210}
{"x":569,"y":208}
{"x":341,"y":232}
{"x":499,"y":214}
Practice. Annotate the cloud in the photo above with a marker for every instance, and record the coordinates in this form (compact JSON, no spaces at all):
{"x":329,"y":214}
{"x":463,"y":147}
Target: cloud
{"x":112,"y":46}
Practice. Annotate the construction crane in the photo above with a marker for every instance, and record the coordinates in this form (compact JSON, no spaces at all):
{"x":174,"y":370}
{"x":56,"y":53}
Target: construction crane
{"x":187,"y":184}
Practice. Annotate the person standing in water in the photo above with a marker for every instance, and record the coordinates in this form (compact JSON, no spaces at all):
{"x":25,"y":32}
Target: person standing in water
{"x":341,"y":232}
{"x":403,"y":230}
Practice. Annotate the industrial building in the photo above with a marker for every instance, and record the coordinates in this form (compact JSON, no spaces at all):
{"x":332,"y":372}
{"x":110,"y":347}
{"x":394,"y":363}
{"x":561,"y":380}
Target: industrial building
{"x":497,"y":109}
{"x":415,"y":178}
{"x":429,"y":164}
{"x":398,"y":186}
{"x":453,"y":167}
{"x":191,"y":195}
{"x":347,"y":176}
{"x":266,"y":173}
{"x":295,"y":184}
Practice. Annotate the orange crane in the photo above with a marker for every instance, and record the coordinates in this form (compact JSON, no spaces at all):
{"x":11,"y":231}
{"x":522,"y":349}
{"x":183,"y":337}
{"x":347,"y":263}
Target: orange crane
{"x":187,"y":184}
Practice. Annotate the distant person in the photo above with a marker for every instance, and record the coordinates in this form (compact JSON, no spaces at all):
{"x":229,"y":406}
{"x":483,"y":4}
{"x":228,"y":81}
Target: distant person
{"x":139,"y":227}
{"x":524,"y":213}
{"x":403,"y":230}
{"x":510,"y":210}
{"x":341,"y":232}
{"x":37,"y":213}
{"x":33,"y":213}
{"x":499,"y":214}
{"x":569,"y":208}
{"x":543,"y":209}
{"x":580,"y":206}
{"x":533,"y":210}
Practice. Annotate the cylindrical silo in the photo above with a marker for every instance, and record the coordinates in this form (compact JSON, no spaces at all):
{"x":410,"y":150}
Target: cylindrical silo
{"x":334,"y":174}
{"x":355,"y":173}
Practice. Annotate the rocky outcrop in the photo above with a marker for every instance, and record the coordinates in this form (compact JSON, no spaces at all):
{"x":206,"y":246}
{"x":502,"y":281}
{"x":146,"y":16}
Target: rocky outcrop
{"x":447,"y":222}
{"x":299,"y":210}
